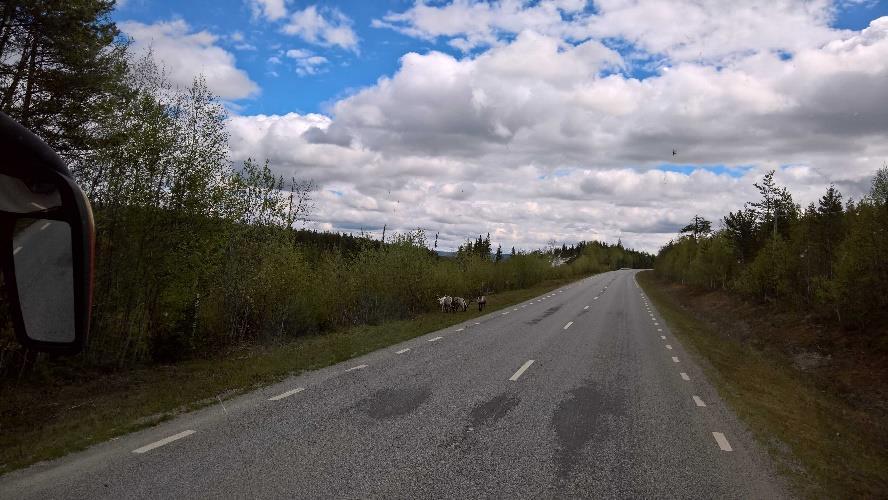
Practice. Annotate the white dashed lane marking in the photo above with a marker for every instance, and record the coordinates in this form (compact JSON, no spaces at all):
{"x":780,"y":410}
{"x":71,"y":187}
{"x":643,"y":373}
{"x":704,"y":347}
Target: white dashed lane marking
{"x":668,"y":347}
{"x":699,"y":402}
{"x":674,"y":359}
{"x":568,"y":325}
{"x":521,"y":370}
{"x":359,"y":367}
{"x":587,"y":307}
{"x":684,"y":376}
{"x":460,"y":329}
{"x":402,"y":351}
{"x":44,"y":226}
{"x":722,"y":441}
{"x":286,"y":394}
{"x":435,"y":339}
{"x":165,"y":441}
{"x":16,"y":250}
{"x":663,"y":337}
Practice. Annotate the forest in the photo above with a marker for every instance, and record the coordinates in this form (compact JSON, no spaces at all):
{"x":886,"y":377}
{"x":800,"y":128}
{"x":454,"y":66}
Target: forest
{"x":195,"y":254}
{"x":828,"y":259}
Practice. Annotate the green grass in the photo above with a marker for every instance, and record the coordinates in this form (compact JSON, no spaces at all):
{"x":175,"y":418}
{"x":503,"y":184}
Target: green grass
{"x":41,"y":421}
{"x":816,"y":439}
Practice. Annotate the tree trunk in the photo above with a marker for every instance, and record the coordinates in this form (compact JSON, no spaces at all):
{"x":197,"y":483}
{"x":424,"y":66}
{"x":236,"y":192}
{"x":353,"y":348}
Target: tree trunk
{"x":9,"y":95}
{"x":4,"y":38}
{"x":29,"y":85}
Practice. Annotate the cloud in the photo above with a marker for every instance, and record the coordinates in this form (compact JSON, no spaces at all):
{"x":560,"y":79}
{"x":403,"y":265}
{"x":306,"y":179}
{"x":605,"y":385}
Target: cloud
{"x":184,"y":54}
{"x":683,"y":30}
{"x":271,"y":10}
{"x":328,"y":27}
{"x":307,"y":62}
{"x":538,"y":138}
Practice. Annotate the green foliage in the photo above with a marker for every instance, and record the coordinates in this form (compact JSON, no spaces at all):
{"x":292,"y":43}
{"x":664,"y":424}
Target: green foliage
{"x":829,"y":259}
{"x":61,"y":69}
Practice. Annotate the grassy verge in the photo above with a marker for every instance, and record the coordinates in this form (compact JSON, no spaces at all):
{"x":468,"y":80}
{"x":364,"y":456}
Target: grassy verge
{"x":825,"y":445}
{"x":41,"y":421}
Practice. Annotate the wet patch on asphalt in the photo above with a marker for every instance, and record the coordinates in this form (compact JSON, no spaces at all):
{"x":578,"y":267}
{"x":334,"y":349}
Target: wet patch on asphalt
{"x":493,"y":410}
{"x":588,"y":414}
{"x":390,"y":403}
{"x":548,"y":312}
{"x":482,"y":415}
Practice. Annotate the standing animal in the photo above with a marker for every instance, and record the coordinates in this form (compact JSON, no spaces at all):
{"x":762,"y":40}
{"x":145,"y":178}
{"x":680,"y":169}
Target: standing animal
{"x":482,"y":301}
{"x":446,"y":303}
{"x":460,"y":304}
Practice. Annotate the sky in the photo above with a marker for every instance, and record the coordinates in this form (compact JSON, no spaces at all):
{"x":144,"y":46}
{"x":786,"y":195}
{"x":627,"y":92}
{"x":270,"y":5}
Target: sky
{"x":537,"y":120}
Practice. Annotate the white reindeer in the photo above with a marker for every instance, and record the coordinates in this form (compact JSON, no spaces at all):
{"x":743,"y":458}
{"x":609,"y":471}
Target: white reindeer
{"x":460,"y":304}
{"x":446,"y":303}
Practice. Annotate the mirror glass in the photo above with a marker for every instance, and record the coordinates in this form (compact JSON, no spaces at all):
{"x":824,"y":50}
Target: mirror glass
{"x":44,"y":276}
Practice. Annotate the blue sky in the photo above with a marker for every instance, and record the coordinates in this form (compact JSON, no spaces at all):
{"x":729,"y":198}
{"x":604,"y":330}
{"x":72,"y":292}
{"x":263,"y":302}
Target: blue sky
{"x":379,"y":48}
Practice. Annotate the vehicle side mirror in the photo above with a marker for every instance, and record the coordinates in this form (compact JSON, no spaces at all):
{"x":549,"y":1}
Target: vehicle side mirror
{"x":47,"y":234}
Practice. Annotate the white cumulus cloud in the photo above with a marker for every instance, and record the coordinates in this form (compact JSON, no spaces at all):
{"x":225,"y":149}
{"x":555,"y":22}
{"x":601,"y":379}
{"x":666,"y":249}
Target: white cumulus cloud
{"x":328,"y":27}
{"x":184,"y":54}
{"x":540,"y":137}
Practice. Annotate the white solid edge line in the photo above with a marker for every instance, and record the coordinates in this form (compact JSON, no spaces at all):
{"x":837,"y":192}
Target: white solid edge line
{"x":402,"y":351}
{"x":684,"y":376}
{"x":286,"y":394}
{"x":568,"y":325}
{"x":435,"y":339}
{"x":16,"y":250}
{"x":722,"y":441}
{"x":521,"y":370}
{"x":359,"y":367}
{"x":674,"y":359}
{"x":699,"y":402}
{"x":158,"y":444}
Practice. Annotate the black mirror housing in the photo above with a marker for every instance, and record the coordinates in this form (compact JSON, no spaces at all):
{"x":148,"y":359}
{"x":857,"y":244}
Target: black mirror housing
{"x":35,"y":185}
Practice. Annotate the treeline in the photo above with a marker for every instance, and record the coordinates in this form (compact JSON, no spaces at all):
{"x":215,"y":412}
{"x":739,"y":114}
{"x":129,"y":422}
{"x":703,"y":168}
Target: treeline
{"x":830,"y":258}
{"x":195,"y":254}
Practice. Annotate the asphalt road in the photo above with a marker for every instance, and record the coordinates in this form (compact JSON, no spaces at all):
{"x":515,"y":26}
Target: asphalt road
{"x":610,"y":406}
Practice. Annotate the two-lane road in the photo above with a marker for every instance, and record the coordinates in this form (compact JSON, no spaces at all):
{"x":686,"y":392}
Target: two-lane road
{"x":582,"y":392}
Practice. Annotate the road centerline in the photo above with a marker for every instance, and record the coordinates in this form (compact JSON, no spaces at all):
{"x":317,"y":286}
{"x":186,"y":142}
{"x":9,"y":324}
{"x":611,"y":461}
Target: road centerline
{"x":521,"y":370}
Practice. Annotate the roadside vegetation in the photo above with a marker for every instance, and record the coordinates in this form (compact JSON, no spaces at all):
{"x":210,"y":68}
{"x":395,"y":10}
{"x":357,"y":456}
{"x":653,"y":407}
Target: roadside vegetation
{"x":829,"y":259}
{"x":820,"y":415}
{"x":792,"y":315}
